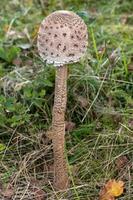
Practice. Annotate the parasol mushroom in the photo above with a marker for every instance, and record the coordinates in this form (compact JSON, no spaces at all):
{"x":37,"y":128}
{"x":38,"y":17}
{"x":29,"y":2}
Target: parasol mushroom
{"x":62,"y":39}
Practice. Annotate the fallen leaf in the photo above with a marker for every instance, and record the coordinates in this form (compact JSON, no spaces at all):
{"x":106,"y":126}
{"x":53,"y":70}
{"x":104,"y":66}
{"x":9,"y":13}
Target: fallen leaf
{"x":115,"y":188}
{"x":111,"y":190}
{"x":121,"y":162}
{"x":69,"y":126}
{"x":107,"y":197}
{"x":8,"y":192}
{"x":39,"y":194}
{"x":83,"y":101}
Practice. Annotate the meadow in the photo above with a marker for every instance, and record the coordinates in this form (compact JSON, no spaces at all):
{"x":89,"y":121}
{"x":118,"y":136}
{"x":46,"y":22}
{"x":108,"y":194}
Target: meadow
{"x":99,"y":115}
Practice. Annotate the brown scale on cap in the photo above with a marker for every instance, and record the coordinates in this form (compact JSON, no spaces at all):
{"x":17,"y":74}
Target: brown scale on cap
{"x":62,"y":38}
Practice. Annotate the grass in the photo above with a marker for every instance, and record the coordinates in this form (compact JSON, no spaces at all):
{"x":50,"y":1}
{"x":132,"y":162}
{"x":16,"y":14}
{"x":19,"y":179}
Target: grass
{"x":100,"y":100}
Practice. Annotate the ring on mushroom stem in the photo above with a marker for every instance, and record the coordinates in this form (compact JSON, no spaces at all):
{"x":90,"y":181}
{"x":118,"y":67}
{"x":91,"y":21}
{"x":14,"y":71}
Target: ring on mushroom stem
{"x":67,"y":33}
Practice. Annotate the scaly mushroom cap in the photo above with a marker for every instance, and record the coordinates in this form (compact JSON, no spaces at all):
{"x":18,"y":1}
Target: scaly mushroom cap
{"x":62,"y":38}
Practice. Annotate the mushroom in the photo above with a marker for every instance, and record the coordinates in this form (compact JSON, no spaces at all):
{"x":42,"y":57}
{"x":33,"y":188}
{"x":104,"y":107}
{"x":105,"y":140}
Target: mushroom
{"x":62,"y":39}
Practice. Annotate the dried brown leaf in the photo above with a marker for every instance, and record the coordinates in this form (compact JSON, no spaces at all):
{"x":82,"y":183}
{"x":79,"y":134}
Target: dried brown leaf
{"x":121,"y":162}
{"x":39,"y":194}
{"x":69,"y":126}
{"x":83,"y":101}
{"x":8,"y":192}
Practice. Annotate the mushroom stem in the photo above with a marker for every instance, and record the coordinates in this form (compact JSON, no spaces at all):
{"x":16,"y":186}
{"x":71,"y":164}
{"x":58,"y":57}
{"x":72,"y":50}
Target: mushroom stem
{"x":58,"y":129}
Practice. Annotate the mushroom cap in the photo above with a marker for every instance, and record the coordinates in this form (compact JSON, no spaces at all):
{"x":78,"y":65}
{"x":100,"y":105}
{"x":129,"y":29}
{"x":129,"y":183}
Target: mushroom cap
{"x":62,"y":38}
